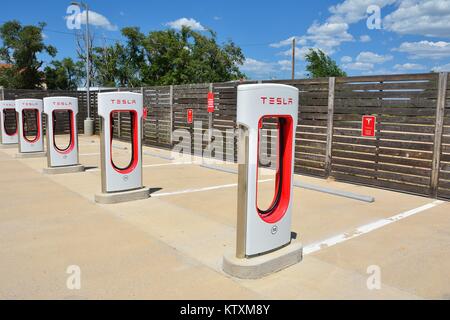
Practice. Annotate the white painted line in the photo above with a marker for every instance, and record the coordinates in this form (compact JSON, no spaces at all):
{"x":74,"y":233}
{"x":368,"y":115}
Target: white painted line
{"x":147,"y":165}
{"x":90,"y":154}
{"x":314,"y":247}
{"x":163,"y":164}
{"x":231,"y":185}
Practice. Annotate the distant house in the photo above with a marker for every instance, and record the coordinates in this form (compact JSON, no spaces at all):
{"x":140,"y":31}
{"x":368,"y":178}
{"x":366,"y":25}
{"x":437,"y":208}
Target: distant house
{"x":5,"y":66}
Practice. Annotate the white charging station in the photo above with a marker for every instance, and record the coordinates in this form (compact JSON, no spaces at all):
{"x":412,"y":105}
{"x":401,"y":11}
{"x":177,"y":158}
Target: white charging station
{"x":31,"y":139}
{"x":62,"y":159}
{"x":124,"y":183}
{"x":263,"y":242}
{"x":9,"y":134}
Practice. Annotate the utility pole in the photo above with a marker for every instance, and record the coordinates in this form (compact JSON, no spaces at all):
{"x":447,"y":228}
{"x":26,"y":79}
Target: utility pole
{"x":88,"y":122}
{"x":293,"y":58}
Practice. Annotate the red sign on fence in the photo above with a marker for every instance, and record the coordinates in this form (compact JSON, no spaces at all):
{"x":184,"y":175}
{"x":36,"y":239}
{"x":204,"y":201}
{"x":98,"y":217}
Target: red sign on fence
{"x":368,"y":126}
{"x":190,"y":115}
{"x":210,"y":102}
{"x":145,"y":112}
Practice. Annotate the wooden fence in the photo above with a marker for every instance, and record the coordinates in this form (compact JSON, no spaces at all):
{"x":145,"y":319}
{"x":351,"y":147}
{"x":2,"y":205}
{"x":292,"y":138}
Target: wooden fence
{"x":410,"y":151}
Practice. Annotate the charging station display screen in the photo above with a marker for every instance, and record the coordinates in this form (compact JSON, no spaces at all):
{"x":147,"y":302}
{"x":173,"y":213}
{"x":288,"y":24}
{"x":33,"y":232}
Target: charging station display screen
{"x":10,"y":121}
{"x":30,"y":128}
{"x":124,"y":159}
{"x":62,"y":129}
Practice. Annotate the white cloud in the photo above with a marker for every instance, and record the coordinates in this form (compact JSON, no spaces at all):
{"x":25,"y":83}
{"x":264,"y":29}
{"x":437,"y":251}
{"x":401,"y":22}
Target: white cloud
{"x":425,"y":49}
{"x":285,"y":65}
{"x":263,"y":69}
{"x":95,"y":19}
{"x":328,"y":36}
{"x":217,"y":18}
{"x":365,"y":38}
{"x":370,"y":57}
{"x":346,"y":59}
{"x":352,"y":11}
{"x":257,"y":67}
{"x":442,"y":68}
{"x":299,"y":52}
{"x":409,"y":67}
{"x":362,"y":66}
{"x":365,"y":61}
{"x":288,"y":42}
{"x":420,"y":17}
{"x":191,"y":23}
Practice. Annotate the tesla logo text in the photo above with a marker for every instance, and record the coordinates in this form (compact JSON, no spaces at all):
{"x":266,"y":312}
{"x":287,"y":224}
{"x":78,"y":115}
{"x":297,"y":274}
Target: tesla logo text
{"x":62,"y":103}
{"x":281,"y":101}
{"x":122,"y":101}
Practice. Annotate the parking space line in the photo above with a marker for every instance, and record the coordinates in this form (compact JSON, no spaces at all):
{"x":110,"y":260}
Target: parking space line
{"x":149,"y":165}
{"x":314,"y":247}
{"x":230,"y":185}
{"x":90,"y":154}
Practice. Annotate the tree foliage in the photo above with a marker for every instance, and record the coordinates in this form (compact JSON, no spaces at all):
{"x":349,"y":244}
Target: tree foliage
{"x":157,"y":58}
{"x":21,"y":47}
{"x":321,"y":65}
{"x":63,"y":75}
{"x":167,"y":57}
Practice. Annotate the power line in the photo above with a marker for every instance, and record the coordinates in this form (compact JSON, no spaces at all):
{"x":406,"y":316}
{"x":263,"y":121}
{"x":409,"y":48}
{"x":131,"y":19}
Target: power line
{"x":74,"y":34}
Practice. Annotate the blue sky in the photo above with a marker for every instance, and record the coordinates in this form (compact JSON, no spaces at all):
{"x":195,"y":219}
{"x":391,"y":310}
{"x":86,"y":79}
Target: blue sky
{"x":413,"y":36}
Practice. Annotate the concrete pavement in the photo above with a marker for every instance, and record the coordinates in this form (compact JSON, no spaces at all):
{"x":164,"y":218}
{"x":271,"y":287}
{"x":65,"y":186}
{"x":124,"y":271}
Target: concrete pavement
{"x":171,"y":245}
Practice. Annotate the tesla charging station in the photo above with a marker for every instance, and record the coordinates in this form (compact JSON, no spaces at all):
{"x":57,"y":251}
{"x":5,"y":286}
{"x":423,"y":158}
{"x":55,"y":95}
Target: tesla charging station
{"x":263,"y":242}
{"x":31,"y":140}
{"x":121,"y":183}
{"x":62,"y":112}
{"x":8,"y":123}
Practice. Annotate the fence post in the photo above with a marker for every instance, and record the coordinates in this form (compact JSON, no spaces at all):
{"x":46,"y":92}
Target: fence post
{"x":331,"y":86}
{"x":3,"y":93}
{"x":440,"y":110}
{"x":171,"y":113}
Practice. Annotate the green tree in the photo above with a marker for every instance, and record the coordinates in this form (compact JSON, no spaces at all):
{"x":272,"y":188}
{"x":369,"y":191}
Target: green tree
{"x":187,"y":56}
{"x":321,"y":65}
{"x":119,"y":64}
{"x":166,"y":57}
{"x":64,"y":74}
{"x":21,"y":47}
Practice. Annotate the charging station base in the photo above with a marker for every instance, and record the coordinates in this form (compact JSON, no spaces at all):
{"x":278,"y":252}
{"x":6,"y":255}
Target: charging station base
{"x":263,"y":265}
{"x":65,"y":169}
{"x":25,"y":155}
{"x":124,"y":196}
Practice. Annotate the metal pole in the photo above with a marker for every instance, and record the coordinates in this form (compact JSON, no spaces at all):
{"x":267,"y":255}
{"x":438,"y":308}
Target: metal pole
{"x":88,"y":84}
{"x":88,"y":122}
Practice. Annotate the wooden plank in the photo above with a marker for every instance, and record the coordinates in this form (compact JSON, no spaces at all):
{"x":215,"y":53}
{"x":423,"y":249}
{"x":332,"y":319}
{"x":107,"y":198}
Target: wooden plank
{"x":384,"y":78}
